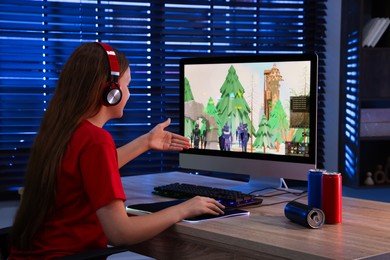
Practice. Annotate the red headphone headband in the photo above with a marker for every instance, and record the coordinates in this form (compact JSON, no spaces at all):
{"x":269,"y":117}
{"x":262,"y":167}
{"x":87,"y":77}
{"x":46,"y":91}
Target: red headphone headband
{"x":114,"y":65}
{"x":112,"y":93}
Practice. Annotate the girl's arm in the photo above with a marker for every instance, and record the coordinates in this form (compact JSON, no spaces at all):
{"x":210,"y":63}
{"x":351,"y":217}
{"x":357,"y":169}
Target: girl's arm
{"x":124,"y":230}
{"x":157,"y":139}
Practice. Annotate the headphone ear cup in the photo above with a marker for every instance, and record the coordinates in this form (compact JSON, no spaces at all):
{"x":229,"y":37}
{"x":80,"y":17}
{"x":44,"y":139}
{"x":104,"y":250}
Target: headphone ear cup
{"x":112,"y":94}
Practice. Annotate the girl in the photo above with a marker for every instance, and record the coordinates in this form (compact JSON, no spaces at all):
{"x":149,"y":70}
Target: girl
{"x":73,"y":198}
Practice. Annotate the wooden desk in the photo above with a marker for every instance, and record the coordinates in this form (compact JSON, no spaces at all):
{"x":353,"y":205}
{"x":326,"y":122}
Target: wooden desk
{"x":266,"y":233}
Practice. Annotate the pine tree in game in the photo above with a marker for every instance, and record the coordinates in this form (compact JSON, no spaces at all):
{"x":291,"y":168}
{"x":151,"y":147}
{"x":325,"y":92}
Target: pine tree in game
{"x":301,"y":135}
{"x":210,"y":124}
{"x":279,"y":124}
{"x":189,"y":124}
{"x":232,"y":106}
{"x":212,"y":111}
{"x":264,"y":138}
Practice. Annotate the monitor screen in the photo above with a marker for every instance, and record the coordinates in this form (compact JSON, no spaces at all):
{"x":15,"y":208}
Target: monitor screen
{"x":250,"y":114}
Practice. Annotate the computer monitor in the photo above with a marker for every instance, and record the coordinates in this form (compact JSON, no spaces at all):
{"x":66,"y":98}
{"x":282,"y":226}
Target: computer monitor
{"x":250,"y":114}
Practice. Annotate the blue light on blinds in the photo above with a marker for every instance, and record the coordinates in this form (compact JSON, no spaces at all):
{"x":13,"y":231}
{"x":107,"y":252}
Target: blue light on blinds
{"x":37,"y":37}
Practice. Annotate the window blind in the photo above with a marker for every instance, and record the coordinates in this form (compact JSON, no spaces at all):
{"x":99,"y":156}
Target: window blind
{"x":38,"y":36}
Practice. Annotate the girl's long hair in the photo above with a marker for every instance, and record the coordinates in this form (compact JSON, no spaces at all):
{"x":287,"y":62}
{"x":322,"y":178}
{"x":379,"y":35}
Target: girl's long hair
{"x":78,"y":96}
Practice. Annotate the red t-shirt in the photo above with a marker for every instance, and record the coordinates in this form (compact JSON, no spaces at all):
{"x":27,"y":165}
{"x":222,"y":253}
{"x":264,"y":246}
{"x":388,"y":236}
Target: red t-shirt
{"x":89,"y":179}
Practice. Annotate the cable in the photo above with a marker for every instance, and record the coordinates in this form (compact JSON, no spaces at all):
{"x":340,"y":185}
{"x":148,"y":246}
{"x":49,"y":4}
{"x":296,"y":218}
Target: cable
{"x":300,"y":194}
{"x":280,"y":202}
{"x":283,"y":191}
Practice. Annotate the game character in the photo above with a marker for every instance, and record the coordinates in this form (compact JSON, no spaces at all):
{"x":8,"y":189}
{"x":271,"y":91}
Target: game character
{"x":196,"y":135}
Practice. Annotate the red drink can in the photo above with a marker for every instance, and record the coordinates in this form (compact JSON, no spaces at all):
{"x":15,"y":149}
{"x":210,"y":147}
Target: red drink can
{"x":332,"y":197}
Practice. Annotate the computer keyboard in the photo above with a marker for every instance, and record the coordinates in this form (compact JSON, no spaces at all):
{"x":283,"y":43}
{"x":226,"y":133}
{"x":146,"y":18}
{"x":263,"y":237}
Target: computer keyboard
{"x":229,"y":198}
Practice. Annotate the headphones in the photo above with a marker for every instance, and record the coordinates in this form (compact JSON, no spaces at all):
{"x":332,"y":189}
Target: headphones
{"x":112,"y":93}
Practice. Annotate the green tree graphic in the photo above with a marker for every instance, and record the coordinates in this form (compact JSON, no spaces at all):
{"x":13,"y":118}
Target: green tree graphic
{"x":211,"y":110}
{"x":300,"y":134}
{"x":232,"y":107}
{"x":264,"y":138}
{"x":279,"y":124}
{"x":189,"y":124}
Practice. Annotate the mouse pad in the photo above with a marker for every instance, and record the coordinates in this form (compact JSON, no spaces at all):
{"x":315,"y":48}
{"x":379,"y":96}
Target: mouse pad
{"x":142,"y":208}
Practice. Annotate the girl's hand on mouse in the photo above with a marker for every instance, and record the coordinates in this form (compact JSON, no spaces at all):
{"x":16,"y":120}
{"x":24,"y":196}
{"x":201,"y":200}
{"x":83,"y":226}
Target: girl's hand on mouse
{"x":199,"y":206}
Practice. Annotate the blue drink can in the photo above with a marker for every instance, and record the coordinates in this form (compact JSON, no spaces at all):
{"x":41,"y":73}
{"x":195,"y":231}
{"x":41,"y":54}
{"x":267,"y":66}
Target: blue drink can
{"x":314,"y":188}
{"x":304,"y":215}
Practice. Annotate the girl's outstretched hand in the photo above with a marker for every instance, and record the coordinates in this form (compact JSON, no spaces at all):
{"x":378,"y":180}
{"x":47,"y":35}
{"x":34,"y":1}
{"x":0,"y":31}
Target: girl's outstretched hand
{"x":159,"y":139}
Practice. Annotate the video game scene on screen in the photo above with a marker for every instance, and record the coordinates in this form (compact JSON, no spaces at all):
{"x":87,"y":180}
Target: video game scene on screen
{"x":248,"y":107}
